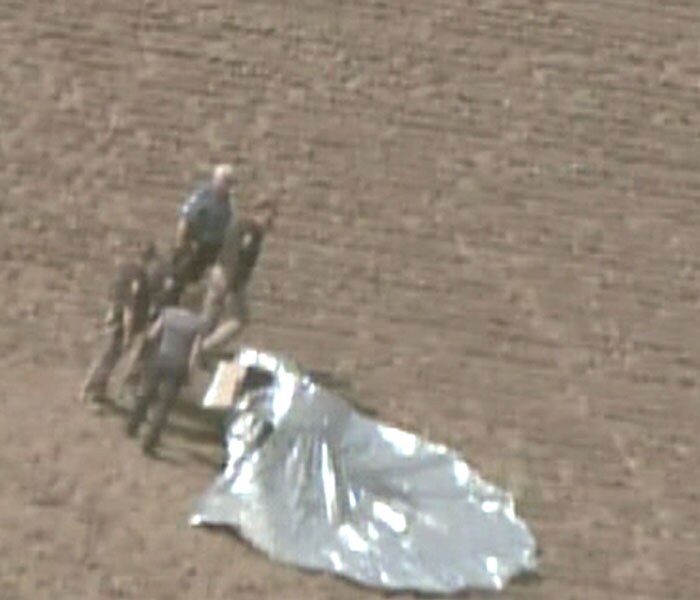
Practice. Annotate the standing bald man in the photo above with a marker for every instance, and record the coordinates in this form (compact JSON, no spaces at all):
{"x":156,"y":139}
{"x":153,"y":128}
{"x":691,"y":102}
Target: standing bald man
{"x":200,"y":232}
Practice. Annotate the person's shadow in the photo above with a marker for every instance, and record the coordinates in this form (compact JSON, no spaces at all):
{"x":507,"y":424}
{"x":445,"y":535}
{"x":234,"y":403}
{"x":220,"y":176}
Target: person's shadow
{"x":187,"y":420}
{"x":206,"y":428}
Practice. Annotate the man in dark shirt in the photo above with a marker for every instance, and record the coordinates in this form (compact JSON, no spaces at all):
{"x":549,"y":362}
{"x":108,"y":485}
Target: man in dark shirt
{"x":161,"y":282}
{"x":161,"y":287}
{"x":127,"y":315}
{"x":225,"y":303}
{"x":202,"y":226}
{"x":176,"y":336}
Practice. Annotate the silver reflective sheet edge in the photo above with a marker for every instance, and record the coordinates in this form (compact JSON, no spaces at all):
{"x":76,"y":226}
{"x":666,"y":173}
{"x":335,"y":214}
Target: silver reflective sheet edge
{"x":313,"y":483}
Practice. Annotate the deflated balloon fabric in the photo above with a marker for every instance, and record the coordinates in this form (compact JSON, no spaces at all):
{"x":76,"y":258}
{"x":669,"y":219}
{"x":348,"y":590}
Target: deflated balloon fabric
{"x":313,"y":483}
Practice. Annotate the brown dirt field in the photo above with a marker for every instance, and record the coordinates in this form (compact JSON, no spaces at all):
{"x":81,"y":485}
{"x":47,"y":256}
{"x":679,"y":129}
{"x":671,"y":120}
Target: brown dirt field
{"x":489,"y":221}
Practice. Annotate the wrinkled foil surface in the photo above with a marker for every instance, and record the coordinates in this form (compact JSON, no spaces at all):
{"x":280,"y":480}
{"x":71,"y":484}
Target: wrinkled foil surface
{"x":313,"y":483}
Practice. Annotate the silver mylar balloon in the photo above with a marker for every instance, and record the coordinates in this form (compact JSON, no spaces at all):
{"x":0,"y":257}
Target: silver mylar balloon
{"x":313,"y":483}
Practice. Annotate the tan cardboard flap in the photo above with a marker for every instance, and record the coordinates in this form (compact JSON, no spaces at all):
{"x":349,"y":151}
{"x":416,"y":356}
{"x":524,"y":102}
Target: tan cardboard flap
{"x":222,"y":389}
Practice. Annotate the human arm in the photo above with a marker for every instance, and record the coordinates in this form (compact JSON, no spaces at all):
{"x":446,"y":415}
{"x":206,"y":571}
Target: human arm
{"x":129,"y":313}
{"x":194,"y":354}
{"x":182,"y":234}
{"x":190,"y":214}
{"x":128,"y":320}
{"x":155,"y":329}
{"x":224,"y":333}
{"x":136,"y":355}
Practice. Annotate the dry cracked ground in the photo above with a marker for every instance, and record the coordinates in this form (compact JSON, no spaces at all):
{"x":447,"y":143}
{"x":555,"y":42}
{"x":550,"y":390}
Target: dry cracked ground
{"x":489,"y":224}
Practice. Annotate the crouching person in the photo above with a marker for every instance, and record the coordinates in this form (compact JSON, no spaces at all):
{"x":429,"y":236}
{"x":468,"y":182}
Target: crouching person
{"x":176,"y":338}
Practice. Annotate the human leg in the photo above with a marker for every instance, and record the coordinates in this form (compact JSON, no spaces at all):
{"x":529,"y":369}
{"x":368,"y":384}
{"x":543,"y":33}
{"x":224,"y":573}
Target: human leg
{"x":144,"y":397}
{"x":169,"y":390}
{"x":94,"y":387}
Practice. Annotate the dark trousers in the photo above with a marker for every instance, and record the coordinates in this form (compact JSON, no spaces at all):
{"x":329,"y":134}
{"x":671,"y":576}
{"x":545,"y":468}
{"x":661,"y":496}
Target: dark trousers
{"x":190,"y":264}
{"x":108,"y":355}
{"x":137,"y":362}
{"x":161,"y":386}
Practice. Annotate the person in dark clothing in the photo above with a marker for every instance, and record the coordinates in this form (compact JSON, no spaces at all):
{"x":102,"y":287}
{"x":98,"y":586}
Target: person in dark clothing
{"x":127,"y":315}
{"x":201,"y":229}
{"x":161,"y":283}
{"x":225,"y":304}
{"x":177,"y":336}
{"x":161,"y":286}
